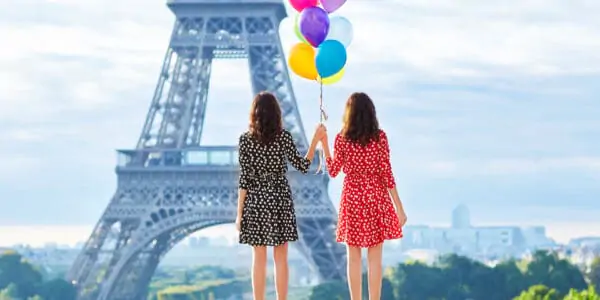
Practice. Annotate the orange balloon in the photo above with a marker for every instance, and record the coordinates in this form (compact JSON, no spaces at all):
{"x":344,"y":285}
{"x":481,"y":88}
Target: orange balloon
{"x":302,"y":61}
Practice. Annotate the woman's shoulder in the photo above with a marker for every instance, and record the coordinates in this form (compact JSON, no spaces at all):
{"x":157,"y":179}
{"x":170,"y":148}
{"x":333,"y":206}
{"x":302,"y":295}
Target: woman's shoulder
{"x":286,"y":135}
{"x":339,"y":139}
{"x":245,"y":136}
{"x":382,"y":134}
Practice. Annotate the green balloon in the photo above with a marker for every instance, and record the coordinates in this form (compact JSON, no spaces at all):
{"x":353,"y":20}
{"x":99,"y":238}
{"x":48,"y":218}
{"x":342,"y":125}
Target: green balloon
{"x":297,"y":29}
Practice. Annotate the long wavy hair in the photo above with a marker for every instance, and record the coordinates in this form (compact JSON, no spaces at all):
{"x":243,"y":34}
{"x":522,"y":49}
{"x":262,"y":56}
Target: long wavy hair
{"x":360,"y":120}
{"x":265,"y":118}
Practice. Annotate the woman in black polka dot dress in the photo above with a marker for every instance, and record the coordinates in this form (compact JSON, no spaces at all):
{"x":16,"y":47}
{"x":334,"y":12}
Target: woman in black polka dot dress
{"x":266,"y":214}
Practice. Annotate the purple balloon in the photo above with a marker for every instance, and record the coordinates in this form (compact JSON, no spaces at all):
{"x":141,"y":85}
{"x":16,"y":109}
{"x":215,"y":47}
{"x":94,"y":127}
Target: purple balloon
{"x":332,"y":5}
{"x":314,"y":25}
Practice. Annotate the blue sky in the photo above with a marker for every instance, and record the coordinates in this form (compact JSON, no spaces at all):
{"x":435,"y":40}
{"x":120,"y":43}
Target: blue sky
{"x":489,"y":103}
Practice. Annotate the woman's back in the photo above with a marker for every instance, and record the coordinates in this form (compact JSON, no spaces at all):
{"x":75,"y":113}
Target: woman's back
{"x":361,"y":159}
{"x":368,"y":162}
{"x":258,"y":159}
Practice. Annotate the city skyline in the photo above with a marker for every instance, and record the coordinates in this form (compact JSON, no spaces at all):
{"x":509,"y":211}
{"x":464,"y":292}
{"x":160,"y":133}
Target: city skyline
{"x":493,"y":109}
{"x":40,"y":236}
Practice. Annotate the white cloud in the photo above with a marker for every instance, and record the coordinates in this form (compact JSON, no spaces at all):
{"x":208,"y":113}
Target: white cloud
{"x":78,"y":77}
{"x":508,"y":166}
{"x":439,"y":40}
{"x":505,"y":166}
{"x":16,"y":166}
{"x":403,"y":40}
{"x":23,"y":135}
{"x":479,"y":38}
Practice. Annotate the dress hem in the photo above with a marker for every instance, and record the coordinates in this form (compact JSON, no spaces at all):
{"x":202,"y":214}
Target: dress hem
{"x":371,"y":245}
{"x":267,"y":244}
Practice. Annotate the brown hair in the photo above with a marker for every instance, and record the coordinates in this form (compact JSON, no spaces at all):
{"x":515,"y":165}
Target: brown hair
{"x":265,"y":118}
{"x":360,"y":120}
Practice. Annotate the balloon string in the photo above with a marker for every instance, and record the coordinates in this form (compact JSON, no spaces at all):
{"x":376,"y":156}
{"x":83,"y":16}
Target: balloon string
{"x":321,"y":106}
{"x":322,"y":119}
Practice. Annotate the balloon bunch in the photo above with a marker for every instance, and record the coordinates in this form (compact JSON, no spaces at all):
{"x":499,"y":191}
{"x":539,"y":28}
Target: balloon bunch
{"x":321,"y":53}
{"x":329,"y":35}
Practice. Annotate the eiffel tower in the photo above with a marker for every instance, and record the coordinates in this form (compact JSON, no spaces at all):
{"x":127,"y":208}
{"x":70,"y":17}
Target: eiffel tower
{"x":171,"y":186}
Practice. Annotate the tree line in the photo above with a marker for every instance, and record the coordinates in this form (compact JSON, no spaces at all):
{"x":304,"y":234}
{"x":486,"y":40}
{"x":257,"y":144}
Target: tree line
{"x":21,"y":280}
{"x":198,"y":283}
{"x":545,"y":276}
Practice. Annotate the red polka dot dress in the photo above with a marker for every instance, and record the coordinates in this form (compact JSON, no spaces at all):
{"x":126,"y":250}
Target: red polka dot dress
{"x":367,"y":215}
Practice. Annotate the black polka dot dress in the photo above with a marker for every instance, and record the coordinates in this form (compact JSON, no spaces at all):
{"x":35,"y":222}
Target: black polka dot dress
{"x":268,"y":217}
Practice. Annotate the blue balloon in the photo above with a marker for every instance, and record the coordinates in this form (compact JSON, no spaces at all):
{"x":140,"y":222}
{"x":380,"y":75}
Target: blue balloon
{"x":340,"y":29}
{"x":331,"y":58}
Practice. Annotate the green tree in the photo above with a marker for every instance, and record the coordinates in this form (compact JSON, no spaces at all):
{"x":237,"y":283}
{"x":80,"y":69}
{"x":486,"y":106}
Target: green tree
{"x":594,"y":272}
{"x":9,"y":293}
{"x":538,"y":292}
{"x":511,"y":280}
{"x":387,"y":289}
{"x":589,"y":294}
{"x":467,"y":278}
{"x":15,"y":269}
{"x":187,"y":277}
{"x":546,"y":268}
{"x":210,"y":273}
{"x":418,"y":281}
{"x":335,"y":290}
{"x":58,"y":289}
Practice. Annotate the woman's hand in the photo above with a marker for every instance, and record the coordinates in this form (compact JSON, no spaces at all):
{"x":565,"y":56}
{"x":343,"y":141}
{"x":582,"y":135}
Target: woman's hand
{"x":238,"y":223}
{"x":320,"y":132}
{"x":324,"y":135}
{"x":401,"y":216}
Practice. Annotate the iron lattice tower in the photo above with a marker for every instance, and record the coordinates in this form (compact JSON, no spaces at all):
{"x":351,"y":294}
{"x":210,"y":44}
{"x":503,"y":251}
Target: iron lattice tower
{"x":170,"y":186}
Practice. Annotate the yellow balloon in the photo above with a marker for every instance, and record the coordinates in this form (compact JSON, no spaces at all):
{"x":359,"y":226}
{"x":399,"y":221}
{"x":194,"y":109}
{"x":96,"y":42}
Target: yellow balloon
{"x":333,"y":78}
{"x":302,"y":61}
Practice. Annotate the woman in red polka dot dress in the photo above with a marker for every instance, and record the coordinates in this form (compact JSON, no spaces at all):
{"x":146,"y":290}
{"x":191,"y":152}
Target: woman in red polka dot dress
{"x":368,"y":215}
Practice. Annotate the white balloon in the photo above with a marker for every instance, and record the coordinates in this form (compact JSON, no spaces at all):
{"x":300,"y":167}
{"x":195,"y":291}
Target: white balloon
{"x":340,"y":29}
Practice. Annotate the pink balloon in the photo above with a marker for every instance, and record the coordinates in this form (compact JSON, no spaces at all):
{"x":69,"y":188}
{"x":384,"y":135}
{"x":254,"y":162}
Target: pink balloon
{"x":332,"y":5}
{"x":299,"y":5}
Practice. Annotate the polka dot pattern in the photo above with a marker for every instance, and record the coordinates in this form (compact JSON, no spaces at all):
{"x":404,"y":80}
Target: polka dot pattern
{"x":367,"y":215}
{"x":268,"y":216}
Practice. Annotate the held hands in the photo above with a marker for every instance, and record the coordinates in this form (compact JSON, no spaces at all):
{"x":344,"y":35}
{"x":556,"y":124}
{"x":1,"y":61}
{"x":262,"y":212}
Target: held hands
{"x":324,"y":137}
{"x":320,"y":133}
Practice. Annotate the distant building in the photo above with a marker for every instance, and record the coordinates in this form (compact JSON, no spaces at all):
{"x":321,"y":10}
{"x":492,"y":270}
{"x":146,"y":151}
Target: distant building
{"x":583,"y":251}
{"x":461,"y":237}
{"x":593,"y":242}
{"x":198,"y":242}
{"x":461,"y":218}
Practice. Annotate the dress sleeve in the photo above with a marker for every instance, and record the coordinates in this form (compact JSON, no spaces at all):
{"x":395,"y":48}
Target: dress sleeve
{"x":335,"y":163}
{"x":244,"y":161}
{"x":386,"y":167}
{"x":293,"y":155}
